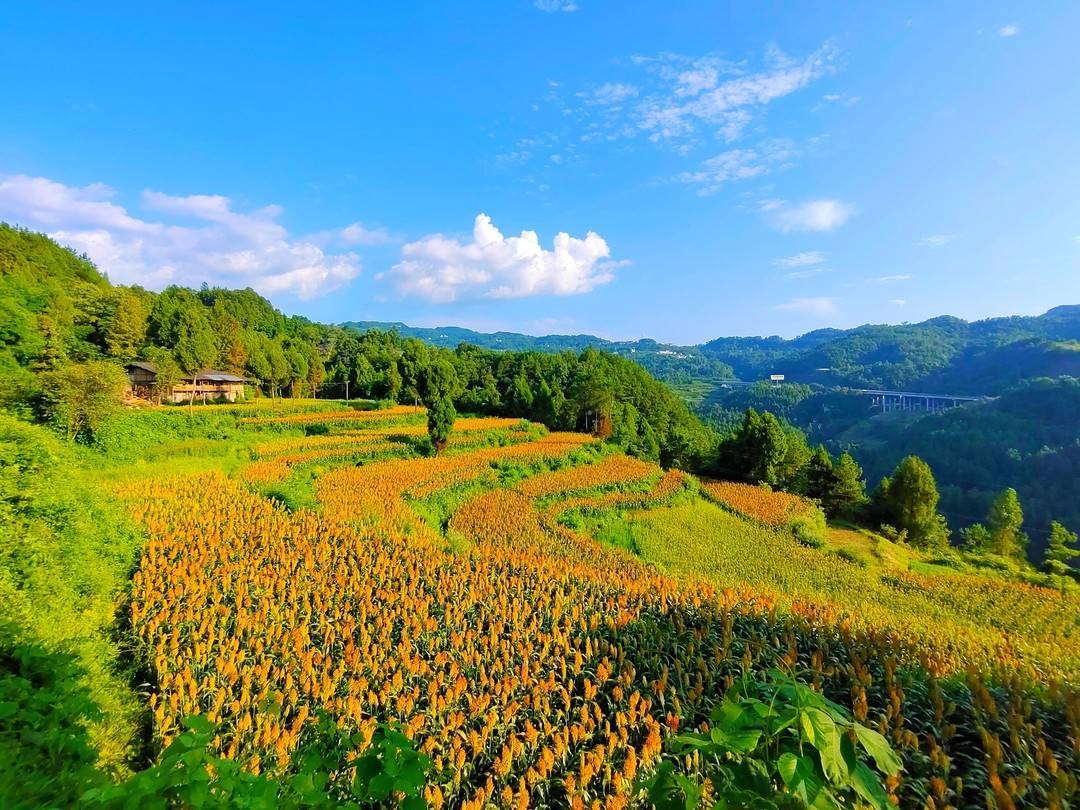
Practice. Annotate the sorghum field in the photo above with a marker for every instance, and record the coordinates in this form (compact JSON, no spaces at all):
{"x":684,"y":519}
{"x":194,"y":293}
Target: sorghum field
{"x":467,"y":598}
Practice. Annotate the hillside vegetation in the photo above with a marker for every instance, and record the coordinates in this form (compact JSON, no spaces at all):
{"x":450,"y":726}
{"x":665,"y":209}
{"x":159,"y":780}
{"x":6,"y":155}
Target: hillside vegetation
{"x":465,"y":592}
{"x":487,"y":578}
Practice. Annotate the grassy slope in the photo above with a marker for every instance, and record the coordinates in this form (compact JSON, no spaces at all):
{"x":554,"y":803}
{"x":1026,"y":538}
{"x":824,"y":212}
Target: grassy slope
{"x":957,"y":612}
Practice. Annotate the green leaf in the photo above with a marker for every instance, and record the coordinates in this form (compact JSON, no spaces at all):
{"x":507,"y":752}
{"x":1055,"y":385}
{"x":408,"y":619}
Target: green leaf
{"x":737,"y":742}
{"x":381,"y":786}
{"x":869,"y":787}
{"x":878,"y":748}
{"x":198,"y":724}
{"x":826,"y":739}
{"x":803,"y":779}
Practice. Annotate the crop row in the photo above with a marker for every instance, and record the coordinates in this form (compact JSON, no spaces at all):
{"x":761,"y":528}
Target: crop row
{"x":758,"y":503}
{"x":330,"y":417}
{"x":537,"y":667}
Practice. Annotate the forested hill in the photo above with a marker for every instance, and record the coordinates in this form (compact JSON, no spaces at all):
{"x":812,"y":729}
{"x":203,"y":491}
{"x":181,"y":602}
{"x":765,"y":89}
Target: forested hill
{"x":448,"y":337}
{"x":60,"y":316}
{"x":942,"y":354}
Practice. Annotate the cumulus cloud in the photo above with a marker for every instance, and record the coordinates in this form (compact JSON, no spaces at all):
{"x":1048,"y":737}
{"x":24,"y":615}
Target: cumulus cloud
{"x":1010,"y":30}
{"x":441,"y":269}
{"x":801,"y":259}
{"x":814,"y":306}
{"x":192,"y":238}
{"x":812,"y":215}
{"x":740,"y":164}
{"x":937,"y":240}
{"x":552,"y":6}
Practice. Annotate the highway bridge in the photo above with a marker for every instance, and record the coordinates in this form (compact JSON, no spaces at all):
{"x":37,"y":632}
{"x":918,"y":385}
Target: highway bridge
{"x":889,"y":400}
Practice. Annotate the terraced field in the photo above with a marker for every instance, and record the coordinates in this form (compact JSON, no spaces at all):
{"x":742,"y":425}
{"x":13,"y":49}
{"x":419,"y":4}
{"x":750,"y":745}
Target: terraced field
{"x":466,"y":598}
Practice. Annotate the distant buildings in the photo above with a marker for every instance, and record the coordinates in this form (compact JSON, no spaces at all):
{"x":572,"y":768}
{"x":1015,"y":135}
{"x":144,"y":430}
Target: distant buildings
{"x":208,"y":384}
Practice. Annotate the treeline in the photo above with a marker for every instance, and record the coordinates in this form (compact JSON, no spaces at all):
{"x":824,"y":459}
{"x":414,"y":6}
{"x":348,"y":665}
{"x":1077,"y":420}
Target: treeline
{"x":905,"y":504}
{"x":71,"y":331}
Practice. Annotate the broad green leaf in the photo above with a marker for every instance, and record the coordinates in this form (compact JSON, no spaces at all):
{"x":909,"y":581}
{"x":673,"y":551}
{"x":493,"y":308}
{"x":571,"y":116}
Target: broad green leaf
{"x":878,"y":748}
{"x":827,"y":741}
{"x":803,"y":779}
{"x":869,"y":787}
{"x":742,"y":742}
{"x":381,"y":786}
{"x":198,"y":723}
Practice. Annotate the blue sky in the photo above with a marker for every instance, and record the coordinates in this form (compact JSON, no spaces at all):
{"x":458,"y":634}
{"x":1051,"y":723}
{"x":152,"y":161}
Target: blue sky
{"x":712,"y":168}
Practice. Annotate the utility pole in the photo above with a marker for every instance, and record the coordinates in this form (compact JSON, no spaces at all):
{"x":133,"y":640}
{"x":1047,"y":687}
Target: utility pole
{"x":346,"y":392}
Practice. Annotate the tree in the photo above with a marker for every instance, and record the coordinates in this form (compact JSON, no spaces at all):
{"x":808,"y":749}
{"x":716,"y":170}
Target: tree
{"x":364,"y":376}
{"x":391,"y":381}
{"x":1060,"y":552}
{"x":233,"y":351}
{"x":849,"y":489}
{"x":298,"y":369}
{"x":125,"y":332}
{"x":759,"y":448}
{"x":53,"y":352}
{"x":820,"y":477}
{"x":975,"y":538}
{"x":1004,"y":521}
{"x":911,"y":503}
{"x":81,"y":397}
{"x":437,"y":385}
{"x":189,"y":334}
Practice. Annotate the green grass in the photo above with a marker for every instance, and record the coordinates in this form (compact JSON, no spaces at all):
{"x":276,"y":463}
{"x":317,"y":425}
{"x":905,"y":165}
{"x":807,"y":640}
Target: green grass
{"x":966,"y":616}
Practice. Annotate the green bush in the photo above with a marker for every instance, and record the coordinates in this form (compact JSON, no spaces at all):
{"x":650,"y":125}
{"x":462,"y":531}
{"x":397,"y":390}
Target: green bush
{"x":809,"y":529}
{"x":46,"y":757}
{"x":66,"y":549}
{"x":324,"y":774}
{"x":777,"y":743}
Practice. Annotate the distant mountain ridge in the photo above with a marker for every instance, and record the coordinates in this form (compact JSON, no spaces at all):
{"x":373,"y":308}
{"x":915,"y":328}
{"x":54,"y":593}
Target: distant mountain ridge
{"x":943,"y":353}
{"x":450,"y":336}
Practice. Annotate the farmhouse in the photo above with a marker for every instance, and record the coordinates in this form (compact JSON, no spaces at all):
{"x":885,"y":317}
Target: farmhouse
{"x":208,"y":384}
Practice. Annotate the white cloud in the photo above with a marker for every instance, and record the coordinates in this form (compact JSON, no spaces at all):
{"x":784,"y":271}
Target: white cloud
{"x":899,"y":302}
{"x":441,"y":269}
{"x":610,"y":93}
{"x":360,"y":234}
{"x":808,"y":273}
{"x":697,"y":95}
{"x":1010,"y":30}
{"x":551,"y":6}
{"x":814,"y":306}
{"x":740,"y":164}
{"x":841,"y":98}
{"x":801,"y":259}
{"x":812,"y":215}
{"x":893,"y":279}
{"x":200,"y":238}
{"x":937,"y":240}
